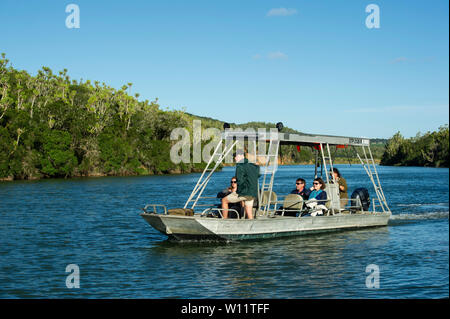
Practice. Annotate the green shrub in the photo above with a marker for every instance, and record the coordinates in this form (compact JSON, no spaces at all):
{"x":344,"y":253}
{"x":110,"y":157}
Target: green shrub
{"x":58,"y":159}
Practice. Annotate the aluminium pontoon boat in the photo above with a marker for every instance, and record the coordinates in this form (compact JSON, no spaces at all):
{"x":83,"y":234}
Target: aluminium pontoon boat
{"x":192,"y":223}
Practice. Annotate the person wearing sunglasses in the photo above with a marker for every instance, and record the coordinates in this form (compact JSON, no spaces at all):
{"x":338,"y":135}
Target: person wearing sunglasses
{"x":230,"y":189}
{"x":317,"y":190}
{"x":317,"y":198}
{"x":300,"y":189}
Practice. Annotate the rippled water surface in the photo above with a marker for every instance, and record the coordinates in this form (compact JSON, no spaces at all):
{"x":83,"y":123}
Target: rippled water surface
{"x":95,"y":224}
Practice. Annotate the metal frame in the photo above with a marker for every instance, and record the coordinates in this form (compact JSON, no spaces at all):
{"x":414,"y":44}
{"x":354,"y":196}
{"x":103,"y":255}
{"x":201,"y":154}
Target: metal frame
{"x":202,"y":182}
{"x":154,"y":208}
{"x":371,"y":170}
{"x":324,"y":164}
{"x":274,"y":146}
{"x":271,"y":163}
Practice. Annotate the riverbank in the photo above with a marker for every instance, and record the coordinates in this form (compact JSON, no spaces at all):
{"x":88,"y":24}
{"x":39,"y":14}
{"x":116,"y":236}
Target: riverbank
{"x":35,"y":178}
{"x":171,"y":172}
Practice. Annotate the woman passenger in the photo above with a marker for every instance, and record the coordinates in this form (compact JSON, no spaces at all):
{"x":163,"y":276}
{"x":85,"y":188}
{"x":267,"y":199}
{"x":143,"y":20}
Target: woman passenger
{"x":317,"y":198}
{"x":342,"y":187}
{"x":317,"y":191}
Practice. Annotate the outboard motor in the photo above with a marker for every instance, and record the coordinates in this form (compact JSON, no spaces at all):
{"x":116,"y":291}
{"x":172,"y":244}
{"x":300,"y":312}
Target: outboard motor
{"x":361,"y":199}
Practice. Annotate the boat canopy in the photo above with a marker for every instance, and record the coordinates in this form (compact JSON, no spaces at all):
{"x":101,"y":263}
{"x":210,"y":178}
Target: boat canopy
{"x":294,"y":138}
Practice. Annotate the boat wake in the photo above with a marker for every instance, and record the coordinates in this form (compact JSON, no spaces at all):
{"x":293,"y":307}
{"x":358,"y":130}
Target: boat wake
{"x":420,"y":216}
{"x":424,"y":205}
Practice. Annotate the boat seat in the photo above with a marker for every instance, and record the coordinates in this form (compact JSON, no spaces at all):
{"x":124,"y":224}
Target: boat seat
{"x":265,"y":198}
{"x":266,"y":204}
{"x":292,"y":203}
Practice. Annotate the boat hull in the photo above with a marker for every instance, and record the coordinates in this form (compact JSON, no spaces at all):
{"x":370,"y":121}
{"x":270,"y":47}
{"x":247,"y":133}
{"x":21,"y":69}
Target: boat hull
{"x":217,"y":229}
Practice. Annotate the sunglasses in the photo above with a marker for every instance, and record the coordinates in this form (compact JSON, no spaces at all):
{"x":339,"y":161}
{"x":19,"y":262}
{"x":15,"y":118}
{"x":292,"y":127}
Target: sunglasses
{"x":299,"y":183}
{"x":233,"y":182}
{"x":316,"y":183}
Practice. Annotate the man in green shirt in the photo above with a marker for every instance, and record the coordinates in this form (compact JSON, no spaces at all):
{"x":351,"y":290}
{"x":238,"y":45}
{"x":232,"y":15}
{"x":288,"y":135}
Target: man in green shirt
{"x":247,"y":185}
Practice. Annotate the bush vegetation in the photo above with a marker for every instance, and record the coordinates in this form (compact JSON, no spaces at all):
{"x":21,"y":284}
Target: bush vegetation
{"x":429,"y":149}
{"x":52,"y":126}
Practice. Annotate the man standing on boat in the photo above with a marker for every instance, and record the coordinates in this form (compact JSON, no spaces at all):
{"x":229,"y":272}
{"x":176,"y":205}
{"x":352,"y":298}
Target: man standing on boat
{"x":247,"y":185}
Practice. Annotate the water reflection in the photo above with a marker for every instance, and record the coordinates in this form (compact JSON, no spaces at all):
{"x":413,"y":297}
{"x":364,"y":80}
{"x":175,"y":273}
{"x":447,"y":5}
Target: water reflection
{"x":312,"y":265}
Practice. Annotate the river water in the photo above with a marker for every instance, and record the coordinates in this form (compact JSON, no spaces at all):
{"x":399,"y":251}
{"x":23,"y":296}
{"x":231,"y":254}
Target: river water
{"x":94,"y":223}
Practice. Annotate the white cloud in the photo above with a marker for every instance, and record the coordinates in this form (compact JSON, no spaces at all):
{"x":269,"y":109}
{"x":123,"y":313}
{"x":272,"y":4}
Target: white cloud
{"x":277,"y":56}
{"x":401,"y":60}
{"x":395,"y":108}
{"x":281,"y":12}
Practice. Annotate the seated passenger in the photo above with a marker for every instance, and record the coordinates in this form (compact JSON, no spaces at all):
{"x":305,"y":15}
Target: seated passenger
{"x":230,"y":189}
{"x":300,"y":189}
{"x":343,"y":195}
{"x":317,"y":198}
{"x":227,"y":205}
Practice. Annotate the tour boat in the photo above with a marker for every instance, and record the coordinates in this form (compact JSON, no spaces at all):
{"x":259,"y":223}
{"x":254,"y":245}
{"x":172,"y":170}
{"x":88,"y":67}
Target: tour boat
{"x":204,"y":221}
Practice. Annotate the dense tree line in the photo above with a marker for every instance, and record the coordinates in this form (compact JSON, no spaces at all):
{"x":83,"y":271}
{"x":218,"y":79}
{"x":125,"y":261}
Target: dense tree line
{"x":52,"y":126}
{"x":429,"y":149}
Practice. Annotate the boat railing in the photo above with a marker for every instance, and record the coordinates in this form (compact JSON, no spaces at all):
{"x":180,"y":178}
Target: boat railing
{"x":219,"y":211}
{"x":282,"y":202}
{"x":356,"y":205}
{"x":209,"y":199}
{"x":208,"y":203}
{"x":286,"y":205}
{"x":155,"y":210}
{"x":374,"y":205}
{"x":375,"y":202}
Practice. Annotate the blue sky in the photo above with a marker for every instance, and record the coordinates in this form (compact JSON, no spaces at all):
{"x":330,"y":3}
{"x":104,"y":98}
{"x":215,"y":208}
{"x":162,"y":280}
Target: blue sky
{"x":313,"y":65}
